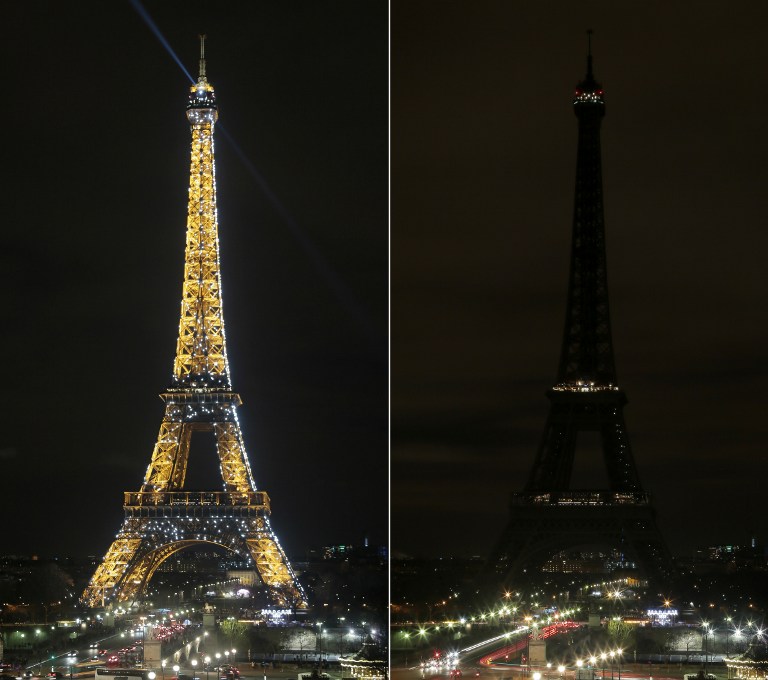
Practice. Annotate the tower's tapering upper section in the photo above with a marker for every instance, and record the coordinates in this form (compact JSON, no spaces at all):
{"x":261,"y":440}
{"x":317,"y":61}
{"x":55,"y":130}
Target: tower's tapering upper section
{"x":201,"y":356}
{"x":586,"y":361}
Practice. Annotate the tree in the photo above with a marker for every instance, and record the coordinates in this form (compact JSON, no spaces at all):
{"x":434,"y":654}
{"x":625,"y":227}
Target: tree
{"x":234,"y":631}
{"x":621,"y":633}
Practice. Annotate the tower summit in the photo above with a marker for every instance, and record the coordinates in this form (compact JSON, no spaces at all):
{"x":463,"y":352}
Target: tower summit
{"x":550,"y":516}
{"x":164,"y":516}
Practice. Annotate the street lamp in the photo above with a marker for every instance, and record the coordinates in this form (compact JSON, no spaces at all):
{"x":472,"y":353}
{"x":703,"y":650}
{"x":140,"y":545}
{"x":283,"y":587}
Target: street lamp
{"x":706,"y":645}
{"x":611,"y":654}
{"x":162,"y":668}
{"x":194,"y":666}
{"x":176,"y":670}
{"x":737,"y":635}
{"x":619,"y":652}
{"x":207,"y":660}
{"x":603,"y":657}
{"x":579,"y":664}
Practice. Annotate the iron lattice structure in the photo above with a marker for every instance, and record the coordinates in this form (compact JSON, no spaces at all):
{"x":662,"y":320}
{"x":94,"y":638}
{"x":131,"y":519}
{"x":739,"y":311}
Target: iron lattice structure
{"x":549,"y":516}
{"x":163,"y":518}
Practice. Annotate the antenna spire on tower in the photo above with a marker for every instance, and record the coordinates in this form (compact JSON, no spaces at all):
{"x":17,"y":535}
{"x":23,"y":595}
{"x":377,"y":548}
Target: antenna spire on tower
{"x":589,"y":53}
{"x":202,"y":55}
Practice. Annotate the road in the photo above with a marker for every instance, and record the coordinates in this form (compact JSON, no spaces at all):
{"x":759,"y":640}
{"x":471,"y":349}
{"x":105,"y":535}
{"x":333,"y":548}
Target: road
{"x":500,"y":672}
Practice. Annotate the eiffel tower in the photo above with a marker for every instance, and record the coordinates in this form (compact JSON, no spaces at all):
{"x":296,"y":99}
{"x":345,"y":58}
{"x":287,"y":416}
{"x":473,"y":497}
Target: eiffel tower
{"x":549,"y":516}
{"x":163,"y":518}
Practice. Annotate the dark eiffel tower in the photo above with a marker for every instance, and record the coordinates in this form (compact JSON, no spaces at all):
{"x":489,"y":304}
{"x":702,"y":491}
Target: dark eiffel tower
{"x":549,"y":516}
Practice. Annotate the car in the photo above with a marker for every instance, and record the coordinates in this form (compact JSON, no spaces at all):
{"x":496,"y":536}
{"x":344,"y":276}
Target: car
{"x":55,"y":675}
{"x":455,"y":672}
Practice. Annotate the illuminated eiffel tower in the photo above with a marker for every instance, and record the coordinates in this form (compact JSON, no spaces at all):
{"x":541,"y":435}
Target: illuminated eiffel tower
{"x":162,"y":518}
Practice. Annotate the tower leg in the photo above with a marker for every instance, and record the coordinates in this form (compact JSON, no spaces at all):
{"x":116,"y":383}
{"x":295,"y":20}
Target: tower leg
{"x":113,"y":567}
{"x":273,"y":566}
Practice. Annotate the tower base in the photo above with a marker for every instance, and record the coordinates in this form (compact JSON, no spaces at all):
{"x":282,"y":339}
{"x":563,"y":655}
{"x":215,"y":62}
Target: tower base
{"x":542,"y":525}
{"x":157,"y":525}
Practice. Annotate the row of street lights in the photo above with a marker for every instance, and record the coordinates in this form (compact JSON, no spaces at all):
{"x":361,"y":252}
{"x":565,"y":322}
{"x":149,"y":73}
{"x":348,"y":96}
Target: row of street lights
{"x":739,"y":633}
{"x":206,"y":661}
{"x":612,"y":656}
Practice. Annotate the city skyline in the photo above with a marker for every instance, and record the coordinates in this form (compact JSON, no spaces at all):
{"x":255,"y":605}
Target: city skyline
{"x":99,"y":179}
{"x":483,"y":161}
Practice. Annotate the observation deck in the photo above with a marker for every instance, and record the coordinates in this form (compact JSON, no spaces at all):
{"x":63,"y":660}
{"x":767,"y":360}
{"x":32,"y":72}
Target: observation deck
{"x":196,"y":503}
{"x":571,"y":498}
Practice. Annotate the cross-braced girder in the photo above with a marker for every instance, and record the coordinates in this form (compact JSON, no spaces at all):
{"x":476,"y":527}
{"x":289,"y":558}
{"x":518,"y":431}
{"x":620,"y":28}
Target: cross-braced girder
{"x":185,"y":414}
{"x":201,"y":357}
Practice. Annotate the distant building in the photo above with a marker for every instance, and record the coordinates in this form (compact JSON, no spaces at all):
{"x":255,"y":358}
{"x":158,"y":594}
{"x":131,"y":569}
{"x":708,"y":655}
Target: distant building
{"x":729,"y":557}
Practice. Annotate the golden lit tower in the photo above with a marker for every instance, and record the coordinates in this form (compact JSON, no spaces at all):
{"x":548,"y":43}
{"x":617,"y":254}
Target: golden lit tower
{"x":163,"y":518}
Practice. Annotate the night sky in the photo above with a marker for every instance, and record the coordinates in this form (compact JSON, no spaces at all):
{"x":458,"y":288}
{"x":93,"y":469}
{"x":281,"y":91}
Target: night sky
{"x":483,"y":169}
{"x":95,"y":178}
